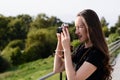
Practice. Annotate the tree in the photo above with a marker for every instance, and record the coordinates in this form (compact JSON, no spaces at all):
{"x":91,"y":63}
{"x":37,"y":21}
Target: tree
{"x":4,"y":31}
{"x":40,"y":21}
{"x":19,"y":27}
{"x":106,"y":31}
{"x":40,"y":44}
{"x":105,"y":26}
{"x":118,"y":23}
{"x":113,"y":29}
{"x":118,"y":31}
{"x":13,"y":52}
{"x":43,"y":21}
{"x":26,"y":21}
{"x":104,"y":22}
{"x":4,"y":64}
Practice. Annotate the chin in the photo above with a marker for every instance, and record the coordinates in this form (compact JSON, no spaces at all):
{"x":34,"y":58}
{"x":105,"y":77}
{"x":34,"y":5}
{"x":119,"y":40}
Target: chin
{"x":81,"y":40}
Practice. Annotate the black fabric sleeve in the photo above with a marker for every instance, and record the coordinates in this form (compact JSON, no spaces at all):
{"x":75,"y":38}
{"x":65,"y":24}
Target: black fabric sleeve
{"x":96,"y":58}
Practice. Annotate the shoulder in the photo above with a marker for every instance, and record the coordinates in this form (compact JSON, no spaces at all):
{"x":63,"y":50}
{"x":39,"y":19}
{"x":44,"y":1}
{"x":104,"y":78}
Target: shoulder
{"x":96,"y":52}
{"x":95,"y":57}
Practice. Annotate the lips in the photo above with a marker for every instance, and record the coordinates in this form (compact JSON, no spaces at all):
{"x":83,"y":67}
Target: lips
{"x":79,"y":36}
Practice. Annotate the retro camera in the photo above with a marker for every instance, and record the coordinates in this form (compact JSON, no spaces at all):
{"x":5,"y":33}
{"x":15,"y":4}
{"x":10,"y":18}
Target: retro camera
{"x":64,"y":25}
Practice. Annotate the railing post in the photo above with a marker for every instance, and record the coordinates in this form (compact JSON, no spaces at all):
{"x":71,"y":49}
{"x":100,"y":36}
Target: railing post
{"x":60,"y":75}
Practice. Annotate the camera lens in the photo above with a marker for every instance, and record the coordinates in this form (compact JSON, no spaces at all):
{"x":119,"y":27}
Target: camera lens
{"x":59,"y":29}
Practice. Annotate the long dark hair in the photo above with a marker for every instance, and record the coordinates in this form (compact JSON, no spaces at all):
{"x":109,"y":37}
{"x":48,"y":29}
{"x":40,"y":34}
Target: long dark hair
{"x":97,"y":38}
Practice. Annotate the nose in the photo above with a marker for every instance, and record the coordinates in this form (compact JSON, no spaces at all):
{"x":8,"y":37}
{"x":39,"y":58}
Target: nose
{"x":76,"y":31}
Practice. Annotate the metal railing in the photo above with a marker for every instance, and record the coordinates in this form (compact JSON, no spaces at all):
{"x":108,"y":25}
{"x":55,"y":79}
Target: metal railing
{"x":112,"y":48}
{"x":46,"y":76}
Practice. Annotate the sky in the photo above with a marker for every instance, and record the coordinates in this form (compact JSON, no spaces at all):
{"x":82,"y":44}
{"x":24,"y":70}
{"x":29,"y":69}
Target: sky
{"x":66,"y":10}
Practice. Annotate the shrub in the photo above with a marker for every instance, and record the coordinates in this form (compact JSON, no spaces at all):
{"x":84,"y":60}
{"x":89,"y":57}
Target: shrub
{"x":12,"y":53}
{"x":113,"y":37}
{"x":16,"y":43}
{"x":4,"y":64}
{"x":33,"y":52}
{"x":7,"y":53}
{"x":75,"y":43}
{"x":40,"y":44}
{"x":17,"y":57}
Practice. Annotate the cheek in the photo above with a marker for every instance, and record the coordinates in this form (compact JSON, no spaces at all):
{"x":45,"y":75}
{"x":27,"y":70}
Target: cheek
{"x":85,"y":34}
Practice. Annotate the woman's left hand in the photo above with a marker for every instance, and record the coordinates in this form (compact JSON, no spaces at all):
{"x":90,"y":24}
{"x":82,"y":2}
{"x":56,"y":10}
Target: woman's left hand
{"x":65,"y":38}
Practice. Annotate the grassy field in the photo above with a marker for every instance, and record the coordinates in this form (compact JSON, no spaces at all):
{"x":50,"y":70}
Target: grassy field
{"x":30,"y":71}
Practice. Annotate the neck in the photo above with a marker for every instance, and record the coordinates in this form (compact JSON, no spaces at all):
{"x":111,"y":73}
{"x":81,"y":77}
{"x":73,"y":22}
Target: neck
{"x":88,"y":44}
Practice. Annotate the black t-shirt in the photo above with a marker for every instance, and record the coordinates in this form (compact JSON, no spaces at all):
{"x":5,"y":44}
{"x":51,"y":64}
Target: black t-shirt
{"x":93,"y":56}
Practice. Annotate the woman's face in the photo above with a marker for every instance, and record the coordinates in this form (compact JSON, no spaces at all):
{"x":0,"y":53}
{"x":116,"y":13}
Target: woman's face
{"x":81,"y":29}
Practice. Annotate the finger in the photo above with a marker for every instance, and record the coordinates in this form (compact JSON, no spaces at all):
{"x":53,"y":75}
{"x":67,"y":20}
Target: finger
{"x":64,"y":32}
{"x":62,"y":35}
{"x":67,"y":31}
{"x":58,"y":36}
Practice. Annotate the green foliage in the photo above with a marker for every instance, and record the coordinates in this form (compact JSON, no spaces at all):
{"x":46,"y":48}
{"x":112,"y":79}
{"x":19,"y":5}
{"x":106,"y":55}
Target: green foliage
{"x":17,"y":29}
{"x":4,"y":65}
{"x":113,"y":37}
{"x":3,"y":31}
{"x":40,"y":44}
{"x":43,"y":21}
{"x":17,"y":57}
{"x":75,"y":43}
{"x":72,"y":33}
{"x":9,"y":54}
{"x":26,"y":19}
{"x":113,"y":29}
{"x":118,"y":23}
{"x":118,"y":31}
{"x":16,"y":43}
{"x":34,"y":51}
{"x":104,"y":22}
{"x":12,"y":52}
{"x":105,"y":31}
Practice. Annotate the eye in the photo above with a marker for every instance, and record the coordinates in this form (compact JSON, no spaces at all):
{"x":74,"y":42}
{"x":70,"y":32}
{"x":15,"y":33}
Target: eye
{"x":81,"y":26}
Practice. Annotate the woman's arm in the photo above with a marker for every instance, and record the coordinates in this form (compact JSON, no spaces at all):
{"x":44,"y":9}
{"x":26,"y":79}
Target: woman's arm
{"x":58,"y":62}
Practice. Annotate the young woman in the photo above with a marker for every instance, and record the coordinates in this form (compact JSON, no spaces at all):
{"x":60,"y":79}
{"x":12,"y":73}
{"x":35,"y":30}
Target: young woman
{"x":90,"y":60}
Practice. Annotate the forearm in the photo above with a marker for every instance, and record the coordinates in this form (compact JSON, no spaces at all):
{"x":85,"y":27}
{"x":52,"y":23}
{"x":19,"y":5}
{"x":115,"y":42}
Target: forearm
{"x":71,"y":74}
{"x":58,"y":62}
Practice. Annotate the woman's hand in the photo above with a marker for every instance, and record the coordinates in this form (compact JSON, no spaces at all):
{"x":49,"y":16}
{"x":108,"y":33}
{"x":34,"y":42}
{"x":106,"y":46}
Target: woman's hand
{"x":65,"y":39}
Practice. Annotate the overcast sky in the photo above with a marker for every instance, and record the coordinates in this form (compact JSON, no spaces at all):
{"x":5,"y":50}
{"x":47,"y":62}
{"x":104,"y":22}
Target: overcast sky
{"x":66,"y":10}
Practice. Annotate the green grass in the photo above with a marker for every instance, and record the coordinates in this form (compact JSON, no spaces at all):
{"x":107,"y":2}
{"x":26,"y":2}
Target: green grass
{"x":30,"y":71}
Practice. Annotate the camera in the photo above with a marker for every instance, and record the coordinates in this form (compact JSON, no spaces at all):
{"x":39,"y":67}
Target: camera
{"x":64,"y":25}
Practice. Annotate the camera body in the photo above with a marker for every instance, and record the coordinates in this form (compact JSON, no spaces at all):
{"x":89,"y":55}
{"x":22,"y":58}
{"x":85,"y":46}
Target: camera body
{"x":64,"y":25}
